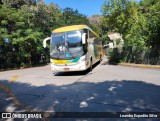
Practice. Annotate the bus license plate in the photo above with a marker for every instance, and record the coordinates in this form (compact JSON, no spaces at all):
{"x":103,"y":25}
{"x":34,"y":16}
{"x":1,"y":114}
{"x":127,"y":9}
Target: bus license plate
{"x":66,"y":69}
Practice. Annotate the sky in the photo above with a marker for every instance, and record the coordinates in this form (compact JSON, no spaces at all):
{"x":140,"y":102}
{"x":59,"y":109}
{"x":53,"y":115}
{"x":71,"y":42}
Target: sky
{"x":87,"y":7}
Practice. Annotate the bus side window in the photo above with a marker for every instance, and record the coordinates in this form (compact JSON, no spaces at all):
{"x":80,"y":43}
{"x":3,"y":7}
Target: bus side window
{"x":86,"y":45}
{"x":91,"y":35}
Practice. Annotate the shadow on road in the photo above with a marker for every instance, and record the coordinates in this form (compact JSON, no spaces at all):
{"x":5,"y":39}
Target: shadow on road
{"x":126,"y":95}
{"x":107,"y":96}
{"x":78,"y":73}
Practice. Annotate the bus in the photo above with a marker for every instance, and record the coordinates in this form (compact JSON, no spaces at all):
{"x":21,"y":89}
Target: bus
{"x":74,"y":48}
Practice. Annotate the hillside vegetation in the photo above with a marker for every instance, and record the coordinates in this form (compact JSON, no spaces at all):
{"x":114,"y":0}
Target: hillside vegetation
{"x":25,"y":23}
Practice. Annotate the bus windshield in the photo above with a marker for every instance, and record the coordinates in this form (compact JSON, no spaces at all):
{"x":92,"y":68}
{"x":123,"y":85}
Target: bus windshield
{"x":66,"y":45}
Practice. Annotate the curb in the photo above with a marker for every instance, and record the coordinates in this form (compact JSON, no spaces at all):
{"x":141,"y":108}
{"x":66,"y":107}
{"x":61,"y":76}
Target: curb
{"x":140,"y":65}
{"x":26,"y":67}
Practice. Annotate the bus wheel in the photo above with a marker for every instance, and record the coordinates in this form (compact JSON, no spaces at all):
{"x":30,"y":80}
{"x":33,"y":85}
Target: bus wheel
{"x":90,"y":68}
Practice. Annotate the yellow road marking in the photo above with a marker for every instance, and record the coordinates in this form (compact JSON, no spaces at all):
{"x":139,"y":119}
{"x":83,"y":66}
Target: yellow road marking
{"x":13,"y":78}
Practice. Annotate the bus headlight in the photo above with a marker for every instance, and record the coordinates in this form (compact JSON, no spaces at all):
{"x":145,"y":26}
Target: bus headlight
{"x":82,"y":59}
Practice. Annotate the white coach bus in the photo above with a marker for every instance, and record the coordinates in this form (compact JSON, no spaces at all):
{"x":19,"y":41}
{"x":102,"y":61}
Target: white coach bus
{"x":74,"y":48}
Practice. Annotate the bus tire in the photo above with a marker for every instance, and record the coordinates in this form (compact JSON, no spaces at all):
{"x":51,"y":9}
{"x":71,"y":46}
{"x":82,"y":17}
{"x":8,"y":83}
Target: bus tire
{"x":91,"y":65}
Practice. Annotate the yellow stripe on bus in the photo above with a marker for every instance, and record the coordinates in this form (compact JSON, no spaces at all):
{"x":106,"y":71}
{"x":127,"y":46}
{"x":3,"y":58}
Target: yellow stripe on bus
{"x":59,"y":61}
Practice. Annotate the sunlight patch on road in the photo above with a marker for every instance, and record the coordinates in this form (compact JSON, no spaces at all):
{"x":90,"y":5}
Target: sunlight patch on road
{"x":10,"y":108}
{"x":112,"y":89}
{"x":90,"y":98}
{"x":83,"y":104}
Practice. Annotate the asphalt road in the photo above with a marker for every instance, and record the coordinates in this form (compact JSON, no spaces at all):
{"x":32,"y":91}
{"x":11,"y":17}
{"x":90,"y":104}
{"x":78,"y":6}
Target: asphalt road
{"x":107,"y":88}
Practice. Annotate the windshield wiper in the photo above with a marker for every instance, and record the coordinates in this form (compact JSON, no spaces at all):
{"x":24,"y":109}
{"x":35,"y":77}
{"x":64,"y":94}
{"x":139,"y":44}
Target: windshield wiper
{"x":70,"y":52}
{"x":58,"y":55}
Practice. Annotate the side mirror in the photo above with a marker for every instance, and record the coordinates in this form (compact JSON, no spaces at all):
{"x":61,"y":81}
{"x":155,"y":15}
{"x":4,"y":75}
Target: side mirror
{"x":84,"y":38}
{"x":45,"y":41}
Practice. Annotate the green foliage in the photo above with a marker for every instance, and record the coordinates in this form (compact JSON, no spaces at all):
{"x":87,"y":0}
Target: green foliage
{"x":73,"y":17}
{"x":139,"y":23}
{"x":23,"y":26}
{"x":95,"y":21}
{"x":114,"y":55}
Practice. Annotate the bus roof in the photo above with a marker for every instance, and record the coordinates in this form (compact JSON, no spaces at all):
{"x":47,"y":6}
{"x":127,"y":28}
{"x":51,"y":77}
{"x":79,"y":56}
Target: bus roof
{"x":72,"y":28}
{"x":69,"y":28}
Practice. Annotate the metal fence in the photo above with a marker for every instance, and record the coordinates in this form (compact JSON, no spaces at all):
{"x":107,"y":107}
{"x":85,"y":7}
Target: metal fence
{"x":133,"y":54}
{"x":141,"y":56}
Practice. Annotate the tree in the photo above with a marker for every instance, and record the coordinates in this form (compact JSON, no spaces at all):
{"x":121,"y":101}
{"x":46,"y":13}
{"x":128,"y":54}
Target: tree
{"x":137,"y":22}
{"x":23,"y":26}
{"x":16,"y":27}
{"x":95,"y":21}
{"x":73,"y":17}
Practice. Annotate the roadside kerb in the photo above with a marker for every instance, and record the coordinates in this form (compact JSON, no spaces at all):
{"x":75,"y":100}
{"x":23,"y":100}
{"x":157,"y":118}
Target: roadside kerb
{"x":140,"y":65}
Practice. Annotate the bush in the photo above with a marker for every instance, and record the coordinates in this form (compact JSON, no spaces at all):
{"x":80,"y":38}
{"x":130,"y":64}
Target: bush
{"x":114,"y":55}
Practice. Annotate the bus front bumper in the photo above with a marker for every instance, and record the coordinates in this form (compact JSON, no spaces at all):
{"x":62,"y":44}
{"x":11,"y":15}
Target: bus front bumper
{"x":69,"y":68}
